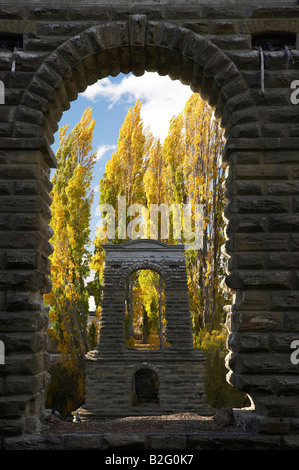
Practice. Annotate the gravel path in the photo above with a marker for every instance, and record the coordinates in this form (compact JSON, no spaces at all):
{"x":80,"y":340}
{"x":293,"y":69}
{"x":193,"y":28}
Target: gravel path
{"x":173,"y":423}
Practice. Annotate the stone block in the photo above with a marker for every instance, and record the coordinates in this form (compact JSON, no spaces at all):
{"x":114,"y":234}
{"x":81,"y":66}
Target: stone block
{"x":122,"y":441}
{"x":25,"y":364}
{"x":75,"y":442}
{"x":231,"y":41}
{"x":280,"y":260}
{"x":248,"y":188}
{"x":20,"y":204}
{"x":34,"y":442}
{"x":223,"y":27}
{"x":199,"y":27}
{"x":176,"y":12}
{"x":284,"y":301}
{"x":273,"y":11}
{"x":23,"y":321}
{"x":261,"y":171}
{"x":250,"y":223}
{"x":256,"y":321}
{"x":278,"y":406}
{"x":6,"y":130}
{"x":291,"y":441}
{"x":264,"y":279}
{"x":286,"y":385}
{"x":245,"y":60}
{"x":13,"y":407}
{"x":24,"y":259}
{"x":12,"y":427}
{"x":250,"y":261}
{"x":284,"y":223}
{"x":248,"y":384}
{"x":251,"y":300}
{"x":274,"y":426}
{"x":5,"y":188}
{"x":224,"y":12}
{"x":261,"y":204}
{"x":47,"y":13}
{"x":15,"y":12}
{"x":249,"y":342}
{"x":265,"y":363}
{"x":20,"y":384}
{"x":24,"y":130}
{"x":283,"y":188}
{"x":261,"y":242}
{"x":68,"y":29}
{"x":89,"y":12}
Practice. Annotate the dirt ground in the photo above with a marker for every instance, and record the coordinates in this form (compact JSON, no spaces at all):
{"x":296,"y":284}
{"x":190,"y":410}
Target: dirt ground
{"x":173,"y":423}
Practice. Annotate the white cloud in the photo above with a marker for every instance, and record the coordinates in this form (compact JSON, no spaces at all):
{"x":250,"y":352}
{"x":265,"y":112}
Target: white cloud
{"x":102,"y":149}
{"x":162,"y":97}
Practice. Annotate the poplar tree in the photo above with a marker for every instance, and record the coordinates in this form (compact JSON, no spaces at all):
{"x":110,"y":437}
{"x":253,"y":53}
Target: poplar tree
{"x":192,"y":152}
{"x":125,"y":171}
{"x":71,"y":213}
{"x":124,"y":177}
{"x":185,"y":169}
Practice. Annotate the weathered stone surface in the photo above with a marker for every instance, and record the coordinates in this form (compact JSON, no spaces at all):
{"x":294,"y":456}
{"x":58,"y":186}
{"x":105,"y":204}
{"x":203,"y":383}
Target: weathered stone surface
{"x":110,"y":370}
{"x":195,"y":442}
{"x":66,"y":48}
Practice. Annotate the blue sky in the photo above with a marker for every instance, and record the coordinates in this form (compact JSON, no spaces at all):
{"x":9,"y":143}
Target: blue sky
{"x":110,"y":100}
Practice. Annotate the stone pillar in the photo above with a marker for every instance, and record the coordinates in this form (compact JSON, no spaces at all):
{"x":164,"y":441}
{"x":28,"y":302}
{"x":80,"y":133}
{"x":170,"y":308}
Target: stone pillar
{"x":263,"y":243}
{"x":178,"y":329}
{"x":112,"y":331}
{"x":110,"y":369}
{"x":24,"y":251}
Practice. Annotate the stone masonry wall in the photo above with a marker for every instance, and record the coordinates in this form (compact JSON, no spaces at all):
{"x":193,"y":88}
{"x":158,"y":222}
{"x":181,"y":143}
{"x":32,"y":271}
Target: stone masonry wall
{"x":212,"y":48}
{"x":111,"y":367}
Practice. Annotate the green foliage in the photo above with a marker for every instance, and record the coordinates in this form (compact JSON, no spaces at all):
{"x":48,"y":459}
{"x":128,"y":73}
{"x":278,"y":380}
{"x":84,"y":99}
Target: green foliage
{"x":65,"y":392}
{"x":219,"y":392}
{"x":93,"y":331}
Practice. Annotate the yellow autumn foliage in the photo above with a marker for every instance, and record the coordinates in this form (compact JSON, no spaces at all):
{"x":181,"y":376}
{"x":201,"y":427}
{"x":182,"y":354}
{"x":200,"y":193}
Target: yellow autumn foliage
{"x":71,"y":202}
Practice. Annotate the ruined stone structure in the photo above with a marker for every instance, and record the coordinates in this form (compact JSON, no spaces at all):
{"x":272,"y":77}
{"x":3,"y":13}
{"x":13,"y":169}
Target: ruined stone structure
{"x":111,"y":369}
{"x":240,"y":56}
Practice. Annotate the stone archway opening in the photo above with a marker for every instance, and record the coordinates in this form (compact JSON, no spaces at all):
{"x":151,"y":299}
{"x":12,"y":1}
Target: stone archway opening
{"x":145,"y":310}
{"x":205,"y":90}
{"x":145,"y":387}
{"x":210,"y":48}
{"x":135,"y":45}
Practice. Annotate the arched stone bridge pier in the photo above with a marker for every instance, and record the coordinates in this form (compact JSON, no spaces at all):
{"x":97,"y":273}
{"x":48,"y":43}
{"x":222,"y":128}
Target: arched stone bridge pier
{"x":243,"y":58}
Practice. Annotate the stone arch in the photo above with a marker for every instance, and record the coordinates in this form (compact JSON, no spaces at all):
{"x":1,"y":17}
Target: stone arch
{"x":136,"y":46}
{"x":146,"y":387}
{"x":261,"y":185}
{"x":145,"y":366}
{"x":145,"y":265}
